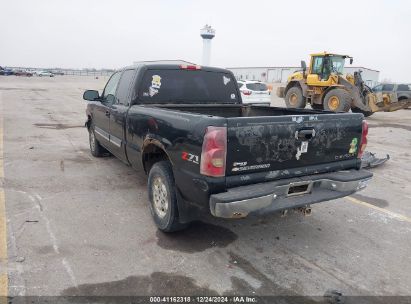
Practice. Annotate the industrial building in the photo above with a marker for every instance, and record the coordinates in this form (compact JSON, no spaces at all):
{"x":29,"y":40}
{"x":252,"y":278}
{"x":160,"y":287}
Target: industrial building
{"x":280,"y":74}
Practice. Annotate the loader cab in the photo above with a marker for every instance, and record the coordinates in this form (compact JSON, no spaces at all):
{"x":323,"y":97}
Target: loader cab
{"x":325,"y":69}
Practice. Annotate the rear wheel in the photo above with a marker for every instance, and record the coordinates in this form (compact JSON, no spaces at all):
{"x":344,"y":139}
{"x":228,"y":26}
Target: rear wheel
{"x":337,"y":100}
{"x":294,"y":98}
{"x":163,"y":198}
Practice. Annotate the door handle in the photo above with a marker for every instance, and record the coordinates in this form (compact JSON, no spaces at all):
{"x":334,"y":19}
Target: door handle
{"x":108,"y":113}
{"x":304,"y":134}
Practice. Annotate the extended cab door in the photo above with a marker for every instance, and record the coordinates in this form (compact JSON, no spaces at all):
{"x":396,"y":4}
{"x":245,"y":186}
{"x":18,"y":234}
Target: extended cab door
{"x":118,"y":112}
{"x":101,"y":113}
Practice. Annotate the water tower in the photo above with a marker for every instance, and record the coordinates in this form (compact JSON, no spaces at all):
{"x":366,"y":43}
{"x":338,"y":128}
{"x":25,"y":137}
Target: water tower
{"x":207,"y":33}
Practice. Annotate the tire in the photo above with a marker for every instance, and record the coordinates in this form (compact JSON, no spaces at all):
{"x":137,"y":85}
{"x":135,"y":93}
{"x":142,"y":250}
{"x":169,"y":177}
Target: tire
{"x":95,"y":148}
{"x":163,"y":198}
{"x":337,"y":100}
{"x":365,"y":113}
{"x":294,"y":98}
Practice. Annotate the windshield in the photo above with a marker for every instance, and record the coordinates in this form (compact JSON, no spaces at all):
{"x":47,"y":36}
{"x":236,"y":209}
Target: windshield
{"x":337,"y":64}
{"x":186,"y":86}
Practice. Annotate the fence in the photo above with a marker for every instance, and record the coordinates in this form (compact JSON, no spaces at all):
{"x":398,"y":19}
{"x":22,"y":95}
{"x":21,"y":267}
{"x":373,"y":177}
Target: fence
{"x":72,"y":72}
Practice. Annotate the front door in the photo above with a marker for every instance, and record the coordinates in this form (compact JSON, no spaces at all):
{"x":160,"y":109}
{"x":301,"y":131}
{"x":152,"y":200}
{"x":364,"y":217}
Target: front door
{"x":118,"y":113}
{"x":101,"y":117}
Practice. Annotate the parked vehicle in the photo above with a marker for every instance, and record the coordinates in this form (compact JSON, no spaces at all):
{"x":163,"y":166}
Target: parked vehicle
{"x":6,"y":71}
{"x":205,"y":152}
{"x":254,"y":92}
{"x":45,"y":74}
{"x":22,"y":73}
{"x":402,"y":90}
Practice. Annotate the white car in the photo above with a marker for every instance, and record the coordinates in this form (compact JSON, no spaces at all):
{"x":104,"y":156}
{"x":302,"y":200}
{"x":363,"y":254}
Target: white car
{"x":254,"y":92}
{"x":45,"y":74}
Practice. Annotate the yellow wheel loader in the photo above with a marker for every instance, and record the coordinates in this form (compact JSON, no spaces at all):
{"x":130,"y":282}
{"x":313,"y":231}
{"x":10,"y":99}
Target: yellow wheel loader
{"x":325,"y":87}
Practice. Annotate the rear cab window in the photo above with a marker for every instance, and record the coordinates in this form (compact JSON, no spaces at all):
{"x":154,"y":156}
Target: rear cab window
{"x":257,"y":86}
{"x":175,"y":85}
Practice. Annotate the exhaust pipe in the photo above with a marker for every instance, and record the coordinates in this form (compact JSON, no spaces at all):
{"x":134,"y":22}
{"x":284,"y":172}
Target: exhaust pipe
{"x":306,"y":211}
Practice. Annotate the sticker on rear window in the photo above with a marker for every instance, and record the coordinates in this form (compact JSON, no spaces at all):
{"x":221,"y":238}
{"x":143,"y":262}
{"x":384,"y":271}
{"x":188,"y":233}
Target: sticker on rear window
{"x":226,"y":80}
{"x":232,"y":96}
{"x":155,"y":85}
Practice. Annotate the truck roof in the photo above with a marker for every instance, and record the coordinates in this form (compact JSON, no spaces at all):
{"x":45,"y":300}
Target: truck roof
{"x":173,"y":64}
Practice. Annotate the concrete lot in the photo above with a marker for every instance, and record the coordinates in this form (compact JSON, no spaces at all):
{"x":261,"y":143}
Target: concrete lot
{"x":78,"y":225}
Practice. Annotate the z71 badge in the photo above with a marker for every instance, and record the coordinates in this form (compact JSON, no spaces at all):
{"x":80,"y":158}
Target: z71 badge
{"x":190,"y":157}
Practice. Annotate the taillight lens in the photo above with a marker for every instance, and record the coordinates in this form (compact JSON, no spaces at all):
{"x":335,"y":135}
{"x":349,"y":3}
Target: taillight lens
{"x":364,"y":135}
{"x":246,"y":92}
{"x":213,"y":155}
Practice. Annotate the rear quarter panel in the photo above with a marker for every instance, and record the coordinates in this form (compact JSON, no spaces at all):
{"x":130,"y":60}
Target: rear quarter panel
{"x":181,"y":136}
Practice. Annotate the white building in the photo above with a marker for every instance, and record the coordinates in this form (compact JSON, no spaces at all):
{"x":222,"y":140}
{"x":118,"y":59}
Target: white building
{"x":280,"y":74}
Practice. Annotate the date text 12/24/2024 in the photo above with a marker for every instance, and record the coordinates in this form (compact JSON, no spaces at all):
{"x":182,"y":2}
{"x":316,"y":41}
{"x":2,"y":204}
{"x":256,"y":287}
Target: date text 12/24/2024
{"x":204,"y":299}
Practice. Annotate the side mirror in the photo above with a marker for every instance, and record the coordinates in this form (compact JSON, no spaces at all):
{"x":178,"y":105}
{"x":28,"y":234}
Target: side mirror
{"x":303,"y":65}
{"x":91,"y":95}
{"x":351,"y":60}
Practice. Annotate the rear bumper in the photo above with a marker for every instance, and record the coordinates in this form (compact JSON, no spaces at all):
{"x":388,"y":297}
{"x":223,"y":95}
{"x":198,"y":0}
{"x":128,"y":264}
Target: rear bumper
{"x":264,"y":100}
{"x":277,"y":195}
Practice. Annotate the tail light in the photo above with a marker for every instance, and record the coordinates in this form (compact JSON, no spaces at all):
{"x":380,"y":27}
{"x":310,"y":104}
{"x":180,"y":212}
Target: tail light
{"x":246,"y":92}
{"x":363,"y":142}
{"x":213,"y":155}
{"x":190,"y":67}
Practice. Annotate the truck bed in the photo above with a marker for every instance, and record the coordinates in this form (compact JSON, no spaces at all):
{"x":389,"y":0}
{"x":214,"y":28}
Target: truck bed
{"x":236,"y":110}
{"x":270,"y":143}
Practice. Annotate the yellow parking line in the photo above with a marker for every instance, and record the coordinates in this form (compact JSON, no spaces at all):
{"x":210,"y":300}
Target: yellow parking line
{"x":3,"y":231}
{"x":388,"y":212}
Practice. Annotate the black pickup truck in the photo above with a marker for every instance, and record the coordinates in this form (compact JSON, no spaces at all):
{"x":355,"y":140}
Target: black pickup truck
{"x":205,"y":152}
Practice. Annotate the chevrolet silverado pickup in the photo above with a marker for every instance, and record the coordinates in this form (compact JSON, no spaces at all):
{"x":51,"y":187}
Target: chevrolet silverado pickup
{"x":207,"y":153}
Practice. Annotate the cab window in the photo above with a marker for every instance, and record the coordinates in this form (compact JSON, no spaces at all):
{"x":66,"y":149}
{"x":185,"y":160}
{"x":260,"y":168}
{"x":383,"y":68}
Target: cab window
{"x":317,"y":65}
{"x":388,"y":87}
{"x":110,"y":89}
{"x":123,"y":96}
{"x":378,"y":88}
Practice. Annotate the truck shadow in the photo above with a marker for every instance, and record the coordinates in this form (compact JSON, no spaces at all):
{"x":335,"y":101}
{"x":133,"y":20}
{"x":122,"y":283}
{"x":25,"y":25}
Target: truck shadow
{"x":199,"y":236}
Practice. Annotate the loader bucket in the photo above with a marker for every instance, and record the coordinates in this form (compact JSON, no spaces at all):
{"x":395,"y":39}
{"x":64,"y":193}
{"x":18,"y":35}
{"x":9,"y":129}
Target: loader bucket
{"x":388,"y":102}
{"x":394,"y":106}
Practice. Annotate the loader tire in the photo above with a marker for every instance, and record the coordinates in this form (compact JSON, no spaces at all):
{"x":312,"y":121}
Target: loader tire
{"x":294,"y":98}
{"x":337,"y":100}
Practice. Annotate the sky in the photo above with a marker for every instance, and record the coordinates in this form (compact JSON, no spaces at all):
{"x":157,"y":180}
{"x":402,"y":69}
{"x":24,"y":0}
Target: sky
{"x":113,"y":34}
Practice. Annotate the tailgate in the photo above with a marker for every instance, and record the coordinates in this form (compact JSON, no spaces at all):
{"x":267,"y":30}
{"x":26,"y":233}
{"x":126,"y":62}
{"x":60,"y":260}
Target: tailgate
{"x":269,"y":143}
